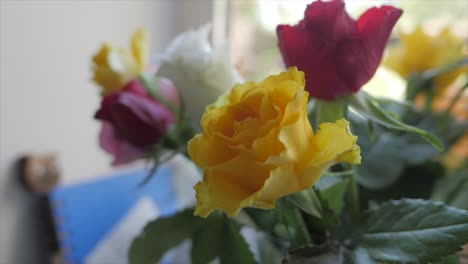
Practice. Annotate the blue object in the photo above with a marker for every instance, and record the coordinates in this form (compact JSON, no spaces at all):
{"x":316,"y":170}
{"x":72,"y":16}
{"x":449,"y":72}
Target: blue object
{"x":84,"y":213}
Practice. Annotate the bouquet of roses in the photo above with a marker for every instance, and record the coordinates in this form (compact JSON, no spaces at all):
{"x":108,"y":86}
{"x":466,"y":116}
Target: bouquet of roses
{"x":280,"y":157}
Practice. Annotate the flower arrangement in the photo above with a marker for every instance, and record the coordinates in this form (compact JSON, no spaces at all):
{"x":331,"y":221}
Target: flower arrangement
{"x":321,"y":171}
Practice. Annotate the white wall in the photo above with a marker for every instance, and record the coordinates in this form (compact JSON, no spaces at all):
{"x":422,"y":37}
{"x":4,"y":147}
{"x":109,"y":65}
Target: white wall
{"x":47,"y":99}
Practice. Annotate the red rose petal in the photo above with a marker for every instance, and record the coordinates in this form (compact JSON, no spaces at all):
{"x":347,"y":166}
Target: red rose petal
{"x":337,"y":54}
{"x":122,"y":151}
{"x":376,"y":25}
{"x":136,"y":117}
{"x":330,"y":20}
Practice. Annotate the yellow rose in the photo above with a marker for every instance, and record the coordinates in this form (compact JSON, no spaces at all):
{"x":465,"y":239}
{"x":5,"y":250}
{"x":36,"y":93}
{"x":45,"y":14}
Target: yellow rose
{"x":114,"y":67}
{"x":258,"y":145}
{"x":419,"y":52}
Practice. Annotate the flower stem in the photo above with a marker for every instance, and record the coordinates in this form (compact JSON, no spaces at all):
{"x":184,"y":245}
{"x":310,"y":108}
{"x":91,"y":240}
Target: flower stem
{"x":329,"y":111}
{"x":430,"y":95}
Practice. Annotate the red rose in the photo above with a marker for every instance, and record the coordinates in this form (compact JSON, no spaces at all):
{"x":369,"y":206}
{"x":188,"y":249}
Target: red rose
{"x":337,"y":53}
{"x":122,"y":151}
{"x":133,"y":120}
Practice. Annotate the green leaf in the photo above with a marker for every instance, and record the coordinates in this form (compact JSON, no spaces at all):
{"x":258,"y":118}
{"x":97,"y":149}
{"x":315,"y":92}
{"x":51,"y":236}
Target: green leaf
{"x":307,"y":201}
{"x":415,"y":182}
{"x":381,"y":164}
{"x":333,"y":189}
{"x":397,"y":152}
{"x":452,"y":189}
{"x":442,"y":124}
{"x":414,"y":153}
{"x":270,"y":224}
{"x":161,"y":235}
{"x":368,"y":107}
{"x":371,"y":131}
{"x":453,"y":259}
{"x":322,"y":205}
{"x":265,"y":220}
{"x":329,"y":218}
{"x":206,"y":240}
{"x":220,"y":237}
{"x":235,"y":249}
{"x":400,"y":153}
{"x":414,"y":231}
{"x":291,"y":217}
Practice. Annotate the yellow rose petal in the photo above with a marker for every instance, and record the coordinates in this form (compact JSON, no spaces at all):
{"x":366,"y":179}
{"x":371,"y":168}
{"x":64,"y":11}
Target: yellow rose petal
{"x":419,"y":52}
{"x":114,"y":67}
{"x":335,"y":140}
{"x":140,"y":48}
{"x":259,"y":146}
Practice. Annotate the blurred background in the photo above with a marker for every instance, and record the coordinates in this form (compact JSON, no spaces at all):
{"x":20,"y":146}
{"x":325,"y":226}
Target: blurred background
{"x":47,"y":98}
{"x":253,"y":32}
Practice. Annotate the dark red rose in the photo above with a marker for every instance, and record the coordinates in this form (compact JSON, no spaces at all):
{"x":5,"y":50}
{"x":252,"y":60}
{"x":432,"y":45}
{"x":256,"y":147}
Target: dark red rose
{"x":337,"y":54}
{"x":122,"y":151}
{"x":133,"y":120}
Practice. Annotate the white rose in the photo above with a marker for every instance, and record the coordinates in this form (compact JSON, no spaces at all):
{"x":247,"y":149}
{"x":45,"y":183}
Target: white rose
{"x":200,"y":71}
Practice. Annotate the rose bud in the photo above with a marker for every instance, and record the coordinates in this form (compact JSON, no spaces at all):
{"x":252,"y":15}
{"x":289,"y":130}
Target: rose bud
{"x":134,"y":120}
